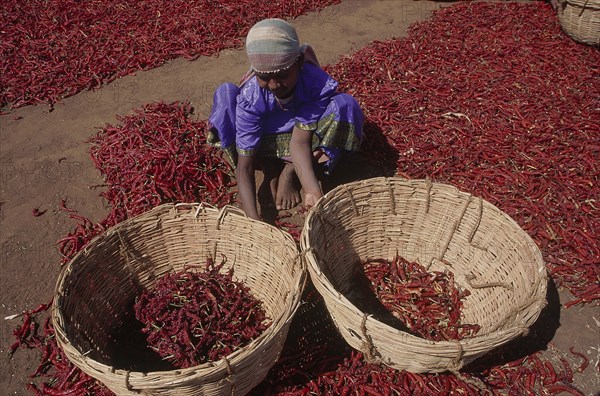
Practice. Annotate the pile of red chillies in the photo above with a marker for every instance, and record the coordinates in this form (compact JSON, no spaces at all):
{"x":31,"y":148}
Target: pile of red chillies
{"x":427,"y":303}
{"x":54,"y":49}
{"x":199,"y":314}
{"x":155,"y":155}
{"x":496,"y":100}
{"x":355,"y":376}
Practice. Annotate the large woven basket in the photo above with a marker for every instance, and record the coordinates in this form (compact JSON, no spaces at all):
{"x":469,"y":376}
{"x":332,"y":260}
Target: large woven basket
{"x":96,"y":291}
{"x":443,"y":229}
{"x":580,"y":19}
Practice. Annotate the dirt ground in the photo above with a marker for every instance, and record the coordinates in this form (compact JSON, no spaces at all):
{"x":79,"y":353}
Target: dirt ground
{"x":44,"y":159}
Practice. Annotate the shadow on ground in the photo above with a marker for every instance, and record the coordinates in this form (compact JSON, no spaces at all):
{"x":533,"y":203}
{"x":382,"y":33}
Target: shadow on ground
{"x":539,"y":336}
{"x":377,"y":158}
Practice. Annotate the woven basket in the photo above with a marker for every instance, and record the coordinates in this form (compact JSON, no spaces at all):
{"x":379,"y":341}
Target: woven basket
{"x":96,"y":291}
{"x":443,"y":229}
{"x":580,"y":19}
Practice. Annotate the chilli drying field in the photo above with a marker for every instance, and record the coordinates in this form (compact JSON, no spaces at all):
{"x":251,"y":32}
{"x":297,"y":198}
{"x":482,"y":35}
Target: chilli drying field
{"x":103,"y":118}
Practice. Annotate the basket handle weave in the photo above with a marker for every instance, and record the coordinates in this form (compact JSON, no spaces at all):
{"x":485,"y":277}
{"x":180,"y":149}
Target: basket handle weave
{"x":228,"y":210}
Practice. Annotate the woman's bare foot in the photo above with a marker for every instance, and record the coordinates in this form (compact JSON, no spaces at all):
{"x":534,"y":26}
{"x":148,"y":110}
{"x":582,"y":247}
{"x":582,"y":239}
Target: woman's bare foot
{"x":288,"y":194}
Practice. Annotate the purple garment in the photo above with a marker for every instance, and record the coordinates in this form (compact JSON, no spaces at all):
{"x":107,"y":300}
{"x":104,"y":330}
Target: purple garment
{"x":244,"y":118}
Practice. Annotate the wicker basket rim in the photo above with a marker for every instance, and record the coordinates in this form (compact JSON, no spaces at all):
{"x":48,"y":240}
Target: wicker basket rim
{"x":587,"y":4}
{"x":200,"y":207}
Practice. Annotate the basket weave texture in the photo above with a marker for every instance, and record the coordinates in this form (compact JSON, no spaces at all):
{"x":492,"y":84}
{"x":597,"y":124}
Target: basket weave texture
{"x":580,"y":19}
{"x":96,"y":291}
{"x":442,"y":229}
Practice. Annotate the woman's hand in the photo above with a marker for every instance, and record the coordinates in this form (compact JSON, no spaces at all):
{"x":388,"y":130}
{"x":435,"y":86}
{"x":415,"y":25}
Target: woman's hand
{"x":311,"y":198}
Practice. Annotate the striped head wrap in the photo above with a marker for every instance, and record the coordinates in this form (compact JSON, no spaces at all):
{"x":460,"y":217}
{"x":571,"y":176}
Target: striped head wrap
{"x":272,"y":45}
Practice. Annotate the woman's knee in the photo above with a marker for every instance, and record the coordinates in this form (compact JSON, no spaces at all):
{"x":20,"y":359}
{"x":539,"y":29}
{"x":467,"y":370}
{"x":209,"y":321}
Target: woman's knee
{"x":346,"y":108}
{"x":346,"y":104}
{"x":345,"y":101}
{"x":227,"y":90}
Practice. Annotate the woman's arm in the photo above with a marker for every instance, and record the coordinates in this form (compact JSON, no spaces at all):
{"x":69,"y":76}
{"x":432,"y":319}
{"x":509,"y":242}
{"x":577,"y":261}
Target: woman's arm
{"x":302,"y":157}
{"x":244,"y":174}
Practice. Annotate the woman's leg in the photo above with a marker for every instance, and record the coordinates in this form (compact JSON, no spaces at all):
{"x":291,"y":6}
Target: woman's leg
{"x":267,"y":191}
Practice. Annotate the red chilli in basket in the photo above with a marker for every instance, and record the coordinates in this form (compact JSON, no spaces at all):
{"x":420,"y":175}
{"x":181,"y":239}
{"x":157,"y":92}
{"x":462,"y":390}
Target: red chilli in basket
{"x":428,"y":303}
{"x":198,"y":315}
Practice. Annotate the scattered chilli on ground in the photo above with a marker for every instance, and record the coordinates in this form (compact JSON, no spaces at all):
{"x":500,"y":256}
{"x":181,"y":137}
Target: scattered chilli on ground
{"x":356,"y":376}
{"x":55,"y":49}
{"x":58,"y":376}
{"x":155,"y":155}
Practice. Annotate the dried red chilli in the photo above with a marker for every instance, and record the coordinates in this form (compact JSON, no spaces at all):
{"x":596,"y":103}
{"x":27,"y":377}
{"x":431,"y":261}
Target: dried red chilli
{"x":54,"y":49}
{"x":584,"y":359}
{"x":293,"y":228}
{"x":158,"y":154}
{"x":312,"y":347}
{"x":355,"y":375}
{"x":36,"y":212}
{"x":27,"y":333}
{"x":496,"y":100}
{"x":427,"y":303}
{"x":199,"y":314}
{"x":59,"y":376}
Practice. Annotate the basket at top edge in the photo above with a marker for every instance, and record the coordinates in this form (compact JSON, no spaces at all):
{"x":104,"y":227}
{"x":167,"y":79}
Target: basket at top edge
{"x":580,"y":20}
{"x":96,"y":291}
{"x":436,"y":225}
